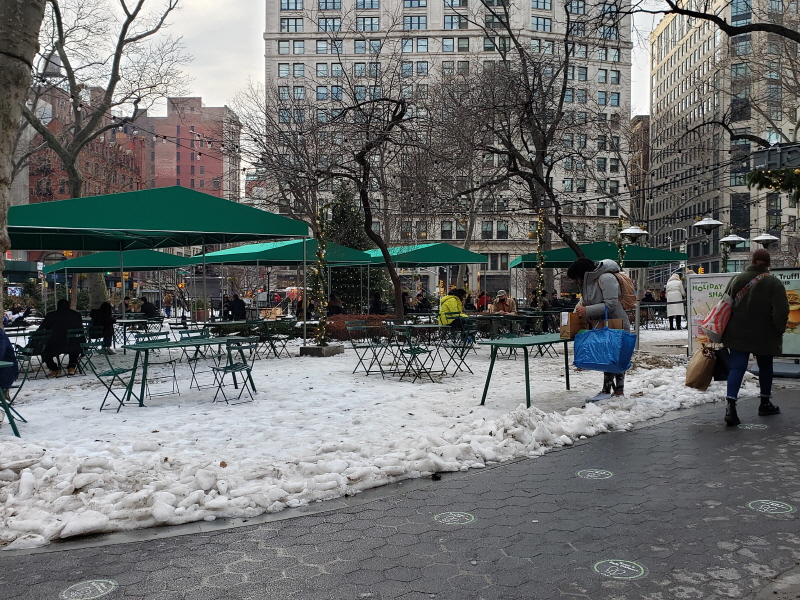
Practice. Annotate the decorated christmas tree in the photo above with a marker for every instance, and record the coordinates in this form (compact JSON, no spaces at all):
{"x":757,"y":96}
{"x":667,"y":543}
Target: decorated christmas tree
{"x":346,"y":227}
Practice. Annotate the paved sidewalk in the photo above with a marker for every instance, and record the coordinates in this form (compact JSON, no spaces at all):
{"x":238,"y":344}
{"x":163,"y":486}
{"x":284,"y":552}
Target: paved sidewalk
{"x":682,"y":508}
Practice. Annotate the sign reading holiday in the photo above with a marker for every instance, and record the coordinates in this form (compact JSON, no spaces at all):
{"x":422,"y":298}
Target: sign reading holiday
{"x":702,"y":294}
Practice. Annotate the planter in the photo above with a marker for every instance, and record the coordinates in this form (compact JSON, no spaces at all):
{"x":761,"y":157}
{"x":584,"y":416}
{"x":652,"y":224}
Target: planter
{"x":322,"y":351}
{"x":199,"y":315}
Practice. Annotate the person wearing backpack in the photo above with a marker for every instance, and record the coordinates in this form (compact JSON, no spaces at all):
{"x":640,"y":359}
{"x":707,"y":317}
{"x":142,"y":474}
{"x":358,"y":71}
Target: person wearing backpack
{"x":757,"y":323}
{"x":601,"y":292}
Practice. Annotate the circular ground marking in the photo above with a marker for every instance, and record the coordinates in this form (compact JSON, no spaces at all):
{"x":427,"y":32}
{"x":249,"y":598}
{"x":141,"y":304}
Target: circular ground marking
{"x":770,"y":507}
{"x":620,"y":569}
{"x":595,"y":474}
{"x":88,"y":590}
{"x":454,"y":518}
{"x":753,"y":426}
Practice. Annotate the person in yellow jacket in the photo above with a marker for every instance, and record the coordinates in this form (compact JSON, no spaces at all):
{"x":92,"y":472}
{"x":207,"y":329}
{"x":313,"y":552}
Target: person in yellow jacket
{"x":452,"y":304}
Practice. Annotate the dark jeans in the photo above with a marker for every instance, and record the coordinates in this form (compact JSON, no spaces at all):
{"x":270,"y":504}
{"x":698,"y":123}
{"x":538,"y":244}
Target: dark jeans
{"x":457,"y":323}
{"x":168,"y":311}
{"x":613,"y":381}
{"x":678,"y":320}
{"x":739,"y":366}
{"x":53,"y":366}
{"x":107,"y":341}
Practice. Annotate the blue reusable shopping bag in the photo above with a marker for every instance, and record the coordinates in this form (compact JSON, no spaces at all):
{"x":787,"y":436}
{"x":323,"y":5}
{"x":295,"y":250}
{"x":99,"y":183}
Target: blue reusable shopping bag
{"x":607,"y":350}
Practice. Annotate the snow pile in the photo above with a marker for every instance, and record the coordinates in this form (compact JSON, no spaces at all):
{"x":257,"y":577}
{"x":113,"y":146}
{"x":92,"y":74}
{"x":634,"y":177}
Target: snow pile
{"x":309,"y":437}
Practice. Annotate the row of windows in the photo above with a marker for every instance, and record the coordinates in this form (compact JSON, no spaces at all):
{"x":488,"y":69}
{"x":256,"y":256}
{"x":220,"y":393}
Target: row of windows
{"x":215,"y":183}
{"x":609,"y":186}
{"x":191,"y":170}
{"x":408,"y":229}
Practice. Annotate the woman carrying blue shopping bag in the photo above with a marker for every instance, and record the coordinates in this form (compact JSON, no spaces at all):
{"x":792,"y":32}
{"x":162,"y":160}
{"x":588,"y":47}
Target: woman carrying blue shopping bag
{"x":600,"y":295}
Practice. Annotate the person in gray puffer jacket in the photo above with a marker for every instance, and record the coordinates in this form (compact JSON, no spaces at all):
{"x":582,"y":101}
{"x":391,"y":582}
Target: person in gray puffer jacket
{"x":600,"y":292}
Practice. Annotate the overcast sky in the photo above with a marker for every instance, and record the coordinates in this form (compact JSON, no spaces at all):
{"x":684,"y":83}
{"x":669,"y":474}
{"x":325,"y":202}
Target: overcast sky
{"x":226,"y":40}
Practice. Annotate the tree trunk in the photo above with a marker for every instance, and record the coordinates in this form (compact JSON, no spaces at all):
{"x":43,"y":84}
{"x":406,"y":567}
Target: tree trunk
{"x":20,"y":21}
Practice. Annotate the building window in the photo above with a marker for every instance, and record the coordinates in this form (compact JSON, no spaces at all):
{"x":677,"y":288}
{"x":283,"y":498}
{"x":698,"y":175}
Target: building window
{"x":455,"y":22}
{"x":177,"y":182}
{"x":291,"y":4}
{"x":463,"y":67}
{"x":463,"y":44}
{"x":359,"y":46}
{"x":566,"y":185}
{"x":336,"y":93}
{"x":367,"y":4}
{"x":415,"y":23}
{"x":299,"y":92}
{"x":283,"y":70}
{"x":407,"y":68}
{"x":322,"y":47}
{"x":299,"y":70}
{"x":609,"y":32}
{"x":422,"y":230}
{"x":326,"y":24}
{"x":448,"y":67}
{"x":449,"y":45}
{"x":359,"y":69}
{"x":291,"y":25}
{"x":284,"y":48}
{"x":422,"y":67}
{"x":602,"y":76}
{"x":367,"y":23}
{"x":406,"y":231}
{"x":541,"y":24}
{"x":322,"y":92}
{"x":541,"y":4}
{"x":493,"y":22}
{"x":602,"y":98}
{"x":542,"y":46}
{"x":422,"y":44}
{"x":577,"y":7}
{"x":614,"y":77}
{"x":614,"y":99}
{"x":202,"y":170}
{"x":502,"y":230}
{"x":298,"y":47}
{"x":284,"y":116}
{"x":415,"y":3}
{"x":447,"y":230}
{"x":177,"y":156}
{"x":461,"y":230}
{"x":487,"y":230}
{"x":322,"y":69}
{"x":330,"y":4}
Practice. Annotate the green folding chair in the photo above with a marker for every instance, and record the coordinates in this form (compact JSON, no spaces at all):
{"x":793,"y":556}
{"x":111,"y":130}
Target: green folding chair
{"x":240,"y":354}
{"x":99,"y":363}
{"x":32,"y":351}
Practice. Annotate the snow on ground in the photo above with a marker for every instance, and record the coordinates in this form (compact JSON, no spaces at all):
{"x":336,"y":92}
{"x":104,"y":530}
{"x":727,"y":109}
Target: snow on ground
{"x":315,"y":432}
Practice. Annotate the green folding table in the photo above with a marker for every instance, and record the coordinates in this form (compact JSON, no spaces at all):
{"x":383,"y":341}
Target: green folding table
{"x":525,"y":344}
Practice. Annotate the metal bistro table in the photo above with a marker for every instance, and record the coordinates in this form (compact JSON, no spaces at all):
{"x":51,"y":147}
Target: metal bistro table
{"x":525,"y":344}
{"x":146,"y":347}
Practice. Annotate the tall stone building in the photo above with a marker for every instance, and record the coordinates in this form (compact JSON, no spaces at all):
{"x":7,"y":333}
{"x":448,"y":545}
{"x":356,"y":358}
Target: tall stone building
{"x":709,"y":92}
{"x":322,"y":48}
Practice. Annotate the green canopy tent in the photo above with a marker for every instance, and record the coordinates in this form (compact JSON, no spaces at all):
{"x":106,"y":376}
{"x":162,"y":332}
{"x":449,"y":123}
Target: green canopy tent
{"x":289,"y":252}
{"x":428,"y":255}
{"x":134,"y":260}
{"x":636,"y":257}
{"x":157,"y":218}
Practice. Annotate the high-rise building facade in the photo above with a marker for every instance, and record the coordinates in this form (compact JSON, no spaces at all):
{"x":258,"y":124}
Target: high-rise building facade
{"x":321,"y":48}
{"x":712,"y":98}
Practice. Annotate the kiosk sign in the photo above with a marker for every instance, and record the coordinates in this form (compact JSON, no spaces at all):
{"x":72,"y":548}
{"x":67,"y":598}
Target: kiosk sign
{"x":702,"y":294}
{"x":790,"y":278}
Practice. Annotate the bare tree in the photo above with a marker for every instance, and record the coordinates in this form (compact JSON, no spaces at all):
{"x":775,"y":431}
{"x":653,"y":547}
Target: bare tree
{"x":98,"y":68}
{"x":20,"y":21}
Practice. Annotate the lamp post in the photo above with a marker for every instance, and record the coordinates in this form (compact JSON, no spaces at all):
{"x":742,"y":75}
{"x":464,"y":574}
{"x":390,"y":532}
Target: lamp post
{"x":634,"y":233}
{"x":728,"y":242}
{"x":708,"y":225}
{"x":765,"y":239}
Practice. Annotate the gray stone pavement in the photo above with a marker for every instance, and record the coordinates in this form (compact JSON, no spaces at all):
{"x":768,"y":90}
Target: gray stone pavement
{"x":680,"y":508}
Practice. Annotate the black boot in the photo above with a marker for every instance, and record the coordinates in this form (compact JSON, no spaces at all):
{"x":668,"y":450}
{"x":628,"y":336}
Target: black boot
{"x":767,"y":408}
{"x":731,"y":418}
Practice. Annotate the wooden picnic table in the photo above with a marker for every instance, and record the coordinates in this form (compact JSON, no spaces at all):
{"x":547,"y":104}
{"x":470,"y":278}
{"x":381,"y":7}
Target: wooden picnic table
{"x":525,"y":344}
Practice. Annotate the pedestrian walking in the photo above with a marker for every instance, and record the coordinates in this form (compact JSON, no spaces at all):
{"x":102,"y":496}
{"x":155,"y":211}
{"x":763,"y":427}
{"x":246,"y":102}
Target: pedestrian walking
{"x":675,"y":296}
{"x":600,"y":296}
{"x":168,"y":304}
{"x":758,"y":321}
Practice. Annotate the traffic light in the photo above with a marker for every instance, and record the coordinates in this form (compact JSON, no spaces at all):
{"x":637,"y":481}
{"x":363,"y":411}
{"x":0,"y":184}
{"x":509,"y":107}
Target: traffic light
{"x":701,"y":270}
